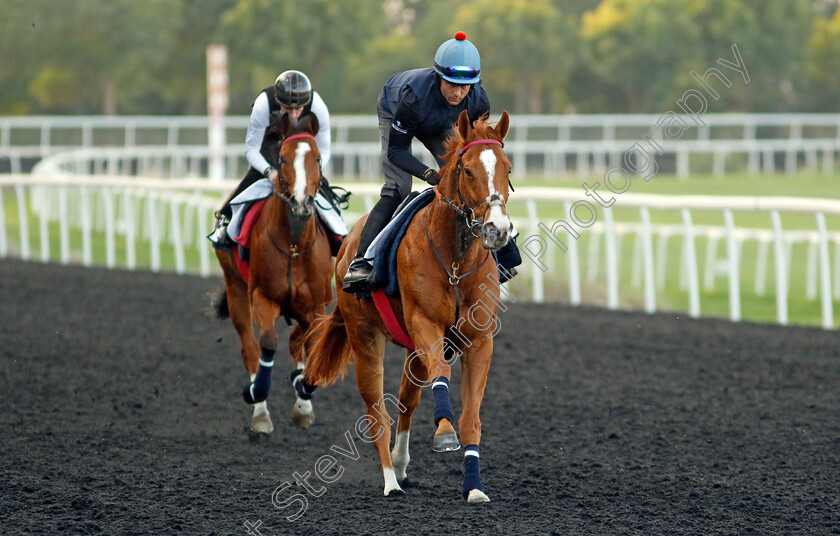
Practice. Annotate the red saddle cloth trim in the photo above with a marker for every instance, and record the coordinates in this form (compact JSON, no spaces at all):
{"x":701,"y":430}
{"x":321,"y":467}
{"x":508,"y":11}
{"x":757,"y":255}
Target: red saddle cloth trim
{"x":383,"y":305}
{"x":244,"y":237}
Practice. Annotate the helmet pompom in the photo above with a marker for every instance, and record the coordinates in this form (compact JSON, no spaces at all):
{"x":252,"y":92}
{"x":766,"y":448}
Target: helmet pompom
{"x":460,"y":36}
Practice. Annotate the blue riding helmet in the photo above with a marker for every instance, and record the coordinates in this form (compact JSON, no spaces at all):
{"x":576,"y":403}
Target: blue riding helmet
{"x":457,"y":60}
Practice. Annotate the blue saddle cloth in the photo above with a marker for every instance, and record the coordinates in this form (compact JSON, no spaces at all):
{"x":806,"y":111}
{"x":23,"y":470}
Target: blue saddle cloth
{"x":388,"y":242}
{"x":385,"y":261}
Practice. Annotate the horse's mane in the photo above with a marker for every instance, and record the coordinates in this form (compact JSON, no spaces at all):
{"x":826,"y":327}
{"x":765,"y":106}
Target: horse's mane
{"x":481,"y":130}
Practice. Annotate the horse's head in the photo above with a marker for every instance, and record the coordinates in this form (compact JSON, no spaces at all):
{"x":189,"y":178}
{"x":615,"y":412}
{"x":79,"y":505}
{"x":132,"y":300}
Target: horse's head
{"x":478,"y":175}
{"x":300,"y":164}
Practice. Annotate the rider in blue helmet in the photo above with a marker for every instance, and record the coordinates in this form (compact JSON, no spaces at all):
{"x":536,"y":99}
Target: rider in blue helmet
{"x":422,"y":104}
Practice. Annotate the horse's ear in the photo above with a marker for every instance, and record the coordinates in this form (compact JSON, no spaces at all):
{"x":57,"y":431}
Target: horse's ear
{"x":285,"y":126}
{"x":308,"y":123}
{"x":503,"y":125}
{"x":464,"y":124}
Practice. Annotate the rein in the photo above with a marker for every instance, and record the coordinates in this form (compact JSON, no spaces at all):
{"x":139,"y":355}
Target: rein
{"x":493,"y":200}
{"x":286,"y":195}
{"x":466,"y":226}
{"x":296,"y":227}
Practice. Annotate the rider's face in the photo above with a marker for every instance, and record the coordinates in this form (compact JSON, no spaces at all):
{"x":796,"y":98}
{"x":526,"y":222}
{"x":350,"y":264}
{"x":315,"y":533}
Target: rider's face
{"x":453,"y":93}
{"x":294,"y":113}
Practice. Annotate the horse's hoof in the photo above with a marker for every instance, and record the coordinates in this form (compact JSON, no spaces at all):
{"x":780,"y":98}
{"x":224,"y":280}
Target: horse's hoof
{"x":262,"y":424}
{"x":302,"y":414}
{"x":446,"y":443}
{"x":394,"y":492}
{"x":477,"y":496}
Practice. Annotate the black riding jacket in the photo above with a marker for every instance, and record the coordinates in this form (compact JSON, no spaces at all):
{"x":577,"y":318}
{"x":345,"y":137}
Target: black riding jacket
{"x":420,"y":111}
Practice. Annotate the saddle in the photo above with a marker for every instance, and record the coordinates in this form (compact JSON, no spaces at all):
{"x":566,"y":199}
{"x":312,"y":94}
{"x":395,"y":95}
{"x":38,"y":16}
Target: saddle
{"x":251,"y":212}
{"x":383,"y":250}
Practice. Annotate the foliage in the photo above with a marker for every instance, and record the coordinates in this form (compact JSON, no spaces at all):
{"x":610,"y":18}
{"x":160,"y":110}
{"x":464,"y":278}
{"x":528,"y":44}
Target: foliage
{"x":524,"y":46}
{"x":148,"y":56}
{"x":825,"y":62}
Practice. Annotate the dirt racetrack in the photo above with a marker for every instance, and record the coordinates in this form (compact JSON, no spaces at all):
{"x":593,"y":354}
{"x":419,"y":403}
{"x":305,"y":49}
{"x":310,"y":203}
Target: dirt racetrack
{"x":121,"y":414}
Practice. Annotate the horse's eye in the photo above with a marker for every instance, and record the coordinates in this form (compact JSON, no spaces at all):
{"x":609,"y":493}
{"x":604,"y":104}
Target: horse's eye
{"x":282,"y":159}
{"x":510,"y":170}
{"x":468,"y":173}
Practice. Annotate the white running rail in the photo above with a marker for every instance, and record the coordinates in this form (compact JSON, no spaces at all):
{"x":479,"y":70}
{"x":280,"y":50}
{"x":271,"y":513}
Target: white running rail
{"x":172,"y":217}
{"x":544,"y":145}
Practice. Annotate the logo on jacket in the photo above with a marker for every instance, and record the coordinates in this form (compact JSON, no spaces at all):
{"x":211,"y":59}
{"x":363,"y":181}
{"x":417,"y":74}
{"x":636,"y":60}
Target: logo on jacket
{"x":398,"y":127}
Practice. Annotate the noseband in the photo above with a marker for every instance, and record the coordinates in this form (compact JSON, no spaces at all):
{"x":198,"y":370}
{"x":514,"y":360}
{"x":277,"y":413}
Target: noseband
{"x":286,"y":195}
{"x":296,"y":226}
{"x":466,"y":227}
{"x":468,"y":212}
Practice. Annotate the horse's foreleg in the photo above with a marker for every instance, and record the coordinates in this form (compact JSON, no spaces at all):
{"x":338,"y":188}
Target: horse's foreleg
{"x":302,"y":414}
{"x":446,"y":439}
{"x":265,"y":313}
{"x":413,"y":370}
{"x":474,"y":367}
{"x":437,"y":352}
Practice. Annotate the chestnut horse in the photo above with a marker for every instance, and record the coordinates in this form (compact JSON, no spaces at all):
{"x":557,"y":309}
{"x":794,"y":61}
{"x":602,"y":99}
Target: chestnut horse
{"x":290,"y":272}
{"x":447,"y":303}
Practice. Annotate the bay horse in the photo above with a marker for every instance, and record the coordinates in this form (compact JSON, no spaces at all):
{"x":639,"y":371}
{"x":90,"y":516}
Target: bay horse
{"x":447,"y":304}
{"x":290,"y":273}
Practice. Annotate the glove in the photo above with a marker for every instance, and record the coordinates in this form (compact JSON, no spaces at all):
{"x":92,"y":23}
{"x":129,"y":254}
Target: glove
{"x":432,"y":177}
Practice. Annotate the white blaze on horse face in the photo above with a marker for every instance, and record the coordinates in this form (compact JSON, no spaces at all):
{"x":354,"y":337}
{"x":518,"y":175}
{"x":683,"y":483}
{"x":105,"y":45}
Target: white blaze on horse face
{"x":300,"y":170}
{"x":497,"y":215}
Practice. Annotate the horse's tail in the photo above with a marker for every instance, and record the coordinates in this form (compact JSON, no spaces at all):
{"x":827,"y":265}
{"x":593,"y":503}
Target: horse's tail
{"x":220,"y":304}
{"x":330,"y":353}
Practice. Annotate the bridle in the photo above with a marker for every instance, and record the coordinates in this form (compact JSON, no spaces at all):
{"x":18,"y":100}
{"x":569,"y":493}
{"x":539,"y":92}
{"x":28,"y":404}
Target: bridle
{"x":286,"y":195}
{"x":296,"y":227}
{"x":493,"y":200}
{"x":466,"y":226}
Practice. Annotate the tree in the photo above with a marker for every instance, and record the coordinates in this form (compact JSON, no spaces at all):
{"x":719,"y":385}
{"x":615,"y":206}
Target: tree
{"x":637,"y":50}
{"x":772,"y":38}
{"x":316,"y":37}
{"x":525,"y":51}
{"x":825,"y":58}
{"x":86,"y":55}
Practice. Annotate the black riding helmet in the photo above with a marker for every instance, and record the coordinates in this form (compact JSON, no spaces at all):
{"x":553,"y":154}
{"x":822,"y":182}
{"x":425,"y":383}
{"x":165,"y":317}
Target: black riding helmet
{"x":293,"y":89}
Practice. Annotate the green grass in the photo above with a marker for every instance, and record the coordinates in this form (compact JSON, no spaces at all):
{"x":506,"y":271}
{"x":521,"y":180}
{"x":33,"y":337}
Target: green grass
{"x":713,"y":302}
{"x":99,"y":253}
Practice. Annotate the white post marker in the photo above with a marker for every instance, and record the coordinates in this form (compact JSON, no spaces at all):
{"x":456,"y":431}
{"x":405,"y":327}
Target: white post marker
{"x":217,"y":104}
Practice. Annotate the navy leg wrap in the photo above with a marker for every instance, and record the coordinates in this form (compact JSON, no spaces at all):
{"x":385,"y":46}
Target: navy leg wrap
{"x":443,"y":406}
{"x":258,"y":391}
{"x":472,"y":472}
{"x":303,"y":389}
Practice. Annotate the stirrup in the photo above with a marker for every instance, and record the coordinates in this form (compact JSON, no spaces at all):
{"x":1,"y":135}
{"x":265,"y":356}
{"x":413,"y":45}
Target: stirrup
{"x":358,"y":276}
{"x":219,"y":236}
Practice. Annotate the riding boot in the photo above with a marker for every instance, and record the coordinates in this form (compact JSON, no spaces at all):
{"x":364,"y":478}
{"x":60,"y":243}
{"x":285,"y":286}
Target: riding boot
{"x":508,"y":258}
{"x":219,"y":237}
{"x":358,"y":273}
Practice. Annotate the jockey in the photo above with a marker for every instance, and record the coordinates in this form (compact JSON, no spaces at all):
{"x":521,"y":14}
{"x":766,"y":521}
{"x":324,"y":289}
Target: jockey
{"x":290,"y":94}
{"x":422,"y":104}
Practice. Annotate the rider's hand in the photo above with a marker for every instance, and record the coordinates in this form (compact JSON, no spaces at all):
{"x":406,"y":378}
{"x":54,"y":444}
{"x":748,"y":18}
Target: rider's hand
{"x":431,"y":176}
{"x":272,"y":174}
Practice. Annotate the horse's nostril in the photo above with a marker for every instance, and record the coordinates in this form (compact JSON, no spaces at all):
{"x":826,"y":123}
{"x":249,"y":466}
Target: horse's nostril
{"x":491,"y":230}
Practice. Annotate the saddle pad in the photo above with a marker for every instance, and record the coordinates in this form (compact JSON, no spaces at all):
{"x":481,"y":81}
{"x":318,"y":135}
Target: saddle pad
{"x":240,"y":252}
{"x":388,"y":242}
{"x":252,"y":212}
